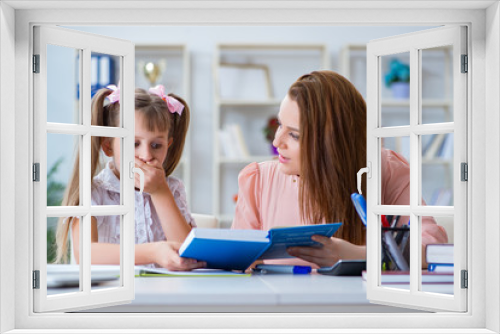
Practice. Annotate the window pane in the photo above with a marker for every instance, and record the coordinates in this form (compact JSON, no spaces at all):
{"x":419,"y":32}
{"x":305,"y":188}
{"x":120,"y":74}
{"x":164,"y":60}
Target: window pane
{"x":395,"y":170}
{"x":107,"y":231}
{"x":63,"y":273}
{"x":395,"y":237}
{"x":395,"y":90}
{"x":229,"y":192}
{"x":105,"y":71}
{"x":437,"y":169}
{"x":62,"y":167}
{"x":437,"y":85}
{"x":107,"y":171}
{"x":62,"y":99}
{"x":438,"y":275}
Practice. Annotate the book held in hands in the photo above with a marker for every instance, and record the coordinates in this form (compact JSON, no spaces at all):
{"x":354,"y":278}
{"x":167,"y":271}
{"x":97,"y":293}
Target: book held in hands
{"x":238,"y":249}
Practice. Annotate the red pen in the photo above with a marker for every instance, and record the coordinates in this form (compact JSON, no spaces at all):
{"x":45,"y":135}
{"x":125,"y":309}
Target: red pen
{"x":385,"y":223}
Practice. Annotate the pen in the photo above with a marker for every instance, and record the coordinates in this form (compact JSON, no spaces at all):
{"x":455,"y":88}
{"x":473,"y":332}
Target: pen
{"x":282,"y":269}
{"x":406,"y":236}
{"x":360,"y":204}
{"x":385,"y":223}
{"x":394,"y":252}
{"x":395,"y":220}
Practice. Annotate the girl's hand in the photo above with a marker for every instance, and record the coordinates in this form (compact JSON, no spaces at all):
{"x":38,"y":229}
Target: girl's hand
{"x":167,"y":256}
{"x":154,"y":176}
{"x":333,"y":250}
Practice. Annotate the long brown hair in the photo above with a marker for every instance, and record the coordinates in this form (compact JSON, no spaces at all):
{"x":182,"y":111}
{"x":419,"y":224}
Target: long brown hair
{"x":157,"y":117}
{"x":332,"y":149}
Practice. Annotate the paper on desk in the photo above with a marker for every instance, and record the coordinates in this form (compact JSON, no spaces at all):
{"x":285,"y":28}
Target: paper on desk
{"x":152,"y":272}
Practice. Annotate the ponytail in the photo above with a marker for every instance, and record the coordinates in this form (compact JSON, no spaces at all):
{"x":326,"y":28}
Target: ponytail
{"x":178,"y":133}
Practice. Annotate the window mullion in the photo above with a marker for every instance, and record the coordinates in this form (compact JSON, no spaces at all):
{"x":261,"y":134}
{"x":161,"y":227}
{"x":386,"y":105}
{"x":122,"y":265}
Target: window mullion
{"x":415,"y":103}
{"x":85,"y":176}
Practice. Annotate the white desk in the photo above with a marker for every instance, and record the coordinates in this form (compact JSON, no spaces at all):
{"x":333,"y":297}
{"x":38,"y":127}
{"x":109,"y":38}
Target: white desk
{"x":258,"y":293}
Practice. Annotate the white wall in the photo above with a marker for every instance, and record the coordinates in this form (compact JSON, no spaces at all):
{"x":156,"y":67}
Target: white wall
{"x":7,"y":167}
{"x":201,"y":41}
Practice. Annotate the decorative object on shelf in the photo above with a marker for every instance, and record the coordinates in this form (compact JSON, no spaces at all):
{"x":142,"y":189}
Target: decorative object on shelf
{"x":153,"y":70}
{"x":244,"y":82}
{"x":270,"y":130}
{"x":398,"y":79}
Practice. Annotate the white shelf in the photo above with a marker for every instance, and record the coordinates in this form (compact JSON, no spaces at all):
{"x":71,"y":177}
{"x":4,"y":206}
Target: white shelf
{"x":244,"y":103}
{"x":436,"y":161}
{"x":176,"y":57}
{"x":247,"y":160}
{"x":282,"y":63}
{"x":437,"y":103}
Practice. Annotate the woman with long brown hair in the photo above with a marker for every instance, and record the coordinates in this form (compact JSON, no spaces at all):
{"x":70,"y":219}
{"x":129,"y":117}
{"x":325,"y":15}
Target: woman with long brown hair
{"x":322,"y":144}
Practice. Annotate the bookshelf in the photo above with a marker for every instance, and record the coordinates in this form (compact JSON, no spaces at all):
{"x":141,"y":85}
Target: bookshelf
{"x":250,"y":82}
{"x":174,"y":73}
{"x":436,"y":106}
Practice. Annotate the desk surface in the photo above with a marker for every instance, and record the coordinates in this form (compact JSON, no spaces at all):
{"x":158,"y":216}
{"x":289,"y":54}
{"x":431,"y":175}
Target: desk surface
{"x":256,"y":293}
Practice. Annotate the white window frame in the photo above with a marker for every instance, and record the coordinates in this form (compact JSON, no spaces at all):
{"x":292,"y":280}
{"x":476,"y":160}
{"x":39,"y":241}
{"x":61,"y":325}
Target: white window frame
{"x":483,"y":292}
{"x":413,"y":44}
{"x":86,"y":44}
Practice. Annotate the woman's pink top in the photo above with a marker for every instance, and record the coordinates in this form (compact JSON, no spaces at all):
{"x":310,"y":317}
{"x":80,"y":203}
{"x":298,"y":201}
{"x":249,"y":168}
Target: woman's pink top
{"x":268,"y":198}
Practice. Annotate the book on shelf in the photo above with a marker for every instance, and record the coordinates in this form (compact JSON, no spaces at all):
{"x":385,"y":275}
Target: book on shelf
{"x":441,"y":267}
{"x":233,"y":144}
{"x":428,"y":144}
{"x":446,"y":151}
{"x":434,"y":146}
{"x":403,"y":277}
{"x":237,"y":249}
{"x":439,"y":253}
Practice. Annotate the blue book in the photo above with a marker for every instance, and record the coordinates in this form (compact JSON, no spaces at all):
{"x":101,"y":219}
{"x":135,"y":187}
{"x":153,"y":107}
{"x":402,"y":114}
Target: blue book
{"x":440,"y":267}
{"x":238,"y":249}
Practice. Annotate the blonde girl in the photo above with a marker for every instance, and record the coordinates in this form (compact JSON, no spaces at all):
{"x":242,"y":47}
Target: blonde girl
{"x":161,"y":211}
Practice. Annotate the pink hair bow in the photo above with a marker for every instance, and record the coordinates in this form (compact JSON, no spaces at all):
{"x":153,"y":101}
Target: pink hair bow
{"x":173,"y":105}
{"x":115,"y":96}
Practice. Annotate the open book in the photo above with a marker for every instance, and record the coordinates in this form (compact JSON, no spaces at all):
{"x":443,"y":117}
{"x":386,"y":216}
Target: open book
{"x":141,"y":271}
{"x":238,"y":249}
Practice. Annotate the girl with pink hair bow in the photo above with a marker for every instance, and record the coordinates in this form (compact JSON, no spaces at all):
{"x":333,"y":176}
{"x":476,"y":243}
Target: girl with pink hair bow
{"x":162,"y":216}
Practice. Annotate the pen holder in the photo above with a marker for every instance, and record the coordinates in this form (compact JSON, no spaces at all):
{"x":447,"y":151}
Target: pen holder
{"x":395,"y":248}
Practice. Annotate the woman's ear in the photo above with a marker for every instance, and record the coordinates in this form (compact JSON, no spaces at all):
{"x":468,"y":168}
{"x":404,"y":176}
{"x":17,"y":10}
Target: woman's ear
{"x":107,"y":147}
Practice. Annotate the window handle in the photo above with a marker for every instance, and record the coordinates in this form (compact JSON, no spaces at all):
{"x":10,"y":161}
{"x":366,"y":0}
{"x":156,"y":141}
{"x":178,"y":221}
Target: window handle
{"x":368,"y":172}
{"x":139,"y":171}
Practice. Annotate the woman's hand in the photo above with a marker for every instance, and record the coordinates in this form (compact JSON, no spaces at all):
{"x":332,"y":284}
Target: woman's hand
{"x":154,"y":176}
{"x":333,"y":250}
{"x":166,"y":254}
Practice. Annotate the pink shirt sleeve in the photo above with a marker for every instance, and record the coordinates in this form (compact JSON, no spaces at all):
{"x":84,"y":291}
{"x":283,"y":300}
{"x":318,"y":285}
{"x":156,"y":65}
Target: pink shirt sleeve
{"x":396,"y":191}
{"x":247,"y":214}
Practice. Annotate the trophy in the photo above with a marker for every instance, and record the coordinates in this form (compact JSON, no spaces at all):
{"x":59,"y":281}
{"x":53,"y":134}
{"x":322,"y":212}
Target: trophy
{"x":153,"y":70}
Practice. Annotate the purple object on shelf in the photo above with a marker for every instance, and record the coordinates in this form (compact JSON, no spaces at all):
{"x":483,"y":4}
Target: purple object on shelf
{"x":400,"y":90}
{"x":274,"y":150}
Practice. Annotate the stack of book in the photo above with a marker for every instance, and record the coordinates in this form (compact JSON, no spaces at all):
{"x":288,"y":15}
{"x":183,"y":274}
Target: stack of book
{"x":440,"y":268}
{"x":439,"y":258}
{"x":233,"y":144}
